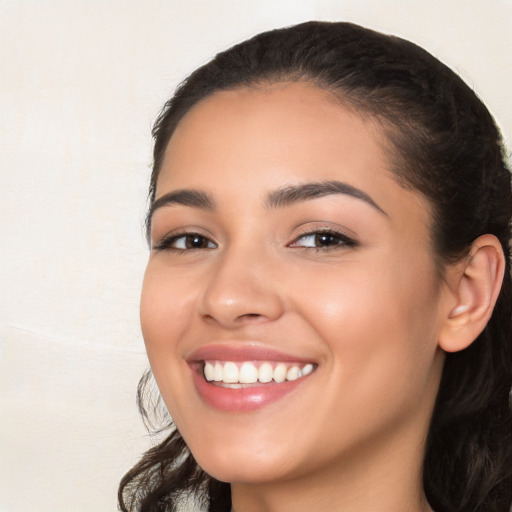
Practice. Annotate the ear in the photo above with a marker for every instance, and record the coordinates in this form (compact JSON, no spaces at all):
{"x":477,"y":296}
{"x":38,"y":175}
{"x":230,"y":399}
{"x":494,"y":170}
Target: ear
{"x":475,"y":284}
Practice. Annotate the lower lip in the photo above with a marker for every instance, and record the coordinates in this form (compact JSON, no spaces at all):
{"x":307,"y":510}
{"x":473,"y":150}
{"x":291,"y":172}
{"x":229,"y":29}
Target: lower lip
{"x":243,"y":399}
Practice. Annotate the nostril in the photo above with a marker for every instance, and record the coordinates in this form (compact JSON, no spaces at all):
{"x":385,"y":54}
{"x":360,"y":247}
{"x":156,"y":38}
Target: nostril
{"x":249,"y":318}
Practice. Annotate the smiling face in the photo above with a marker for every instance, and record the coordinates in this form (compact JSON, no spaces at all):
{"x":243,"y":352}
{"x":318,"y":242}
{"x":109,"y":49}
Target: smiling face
{"x":288,"y":262}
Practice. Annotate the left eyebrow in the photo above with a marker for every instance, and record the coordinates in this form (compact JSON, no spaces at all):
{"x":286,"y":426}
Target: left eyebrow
{"x":291,"y":194}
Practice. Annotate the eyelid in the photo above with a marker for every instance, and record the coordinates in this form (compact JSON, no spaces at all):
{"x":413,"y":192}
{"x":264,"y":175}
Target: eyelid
{"x":346,"y":240}
{"x":165,"y":242}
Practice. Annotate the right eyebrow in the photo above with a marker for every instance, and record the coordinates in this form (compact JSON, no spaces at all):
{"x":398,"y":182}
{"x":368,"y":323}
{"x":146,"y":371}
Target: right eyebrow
{"x":185,"y":197}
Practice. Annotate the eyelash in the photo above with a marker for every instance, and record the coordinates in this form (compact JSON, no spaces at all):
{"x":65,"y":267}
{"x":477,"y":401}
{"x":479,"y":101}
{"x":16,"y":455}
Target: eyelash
{"x":340,"y":240}
{"x":167,"y":242}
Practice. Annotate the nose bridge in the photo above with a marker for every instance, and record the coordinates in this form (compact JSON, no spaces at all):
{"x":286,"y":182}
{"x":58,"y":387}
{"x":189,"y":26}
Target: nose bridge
{"x":240,"y":287}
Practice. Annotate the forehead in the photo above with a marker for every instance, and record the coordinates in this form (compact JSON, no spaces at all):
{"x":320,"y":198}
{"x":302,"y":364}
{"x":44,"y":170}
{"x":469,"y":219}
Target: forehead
{"x":280,"y":125}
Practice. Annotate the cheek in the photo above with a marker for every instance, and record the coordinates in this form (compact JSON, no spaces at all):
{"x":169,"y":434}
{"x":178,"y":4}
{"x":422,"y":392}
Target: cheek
{"x":165,"y":306}
{"x":375,"y":319}
{"x":165,"y":316}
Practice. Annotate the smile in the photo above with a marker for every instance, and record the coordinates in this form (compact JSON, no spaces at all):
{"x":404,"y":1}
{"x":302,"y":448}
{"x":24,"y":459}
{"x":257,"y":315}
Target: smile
{"x":240,"y":374}
{"x":246,"y":377}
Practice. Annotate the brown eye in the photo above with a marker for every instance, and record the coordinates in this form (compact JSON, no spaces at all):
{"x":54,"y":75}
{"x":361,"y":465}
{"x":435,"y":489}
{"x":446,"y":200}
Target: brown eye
{"x":195,"y":242}
{"x":326,"y":240}
{"x":323,"y":240}
{"x":184,"y":242}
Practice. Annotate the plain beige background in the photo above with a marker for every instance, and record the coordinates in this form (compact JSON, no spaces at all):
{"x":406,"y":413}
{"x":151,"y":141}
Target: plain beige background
{"x":80,"y":84}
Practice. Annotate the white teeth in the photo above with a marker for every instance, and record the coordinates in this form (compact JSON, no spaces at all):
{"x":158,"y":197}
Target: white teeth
{"x":217,"y":376}
{"x":265,"y":372}
{"x":293,"y":373}
{"x":307,"y":369}
{"x":248,"y":373}
{"x":280,"y":373}
{"x":230,"y":373}
{"x":209,"y":371}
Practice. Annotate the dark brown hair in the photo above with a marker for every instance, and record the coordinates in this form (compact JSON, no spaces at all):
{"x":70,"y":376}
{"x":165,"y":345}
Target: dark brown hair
{"x":446,"y":146}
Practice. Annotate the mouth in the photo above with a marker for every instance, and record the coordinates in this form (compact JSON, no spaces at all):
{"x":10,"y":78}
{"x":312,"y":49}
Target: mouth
{"x":239,"y":375}
{"x":246,"y":378}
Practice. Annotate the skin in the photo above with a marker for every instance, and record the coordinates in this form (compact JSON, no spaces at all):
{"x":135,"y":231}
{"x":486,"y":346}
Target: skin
{"x":369,"y":314}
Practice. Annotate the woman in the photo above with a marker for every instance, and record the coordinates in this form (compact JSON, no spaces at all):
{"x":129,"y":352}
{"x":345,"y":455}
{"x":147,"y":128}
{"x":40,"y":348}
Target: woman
{"x":327,"y":304}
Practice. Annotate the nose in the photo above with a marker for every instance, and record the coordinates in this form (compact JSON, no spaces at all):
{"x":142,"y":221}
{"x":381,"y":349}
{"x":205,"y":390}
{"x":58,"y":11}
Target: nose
{"x":241,"y":288}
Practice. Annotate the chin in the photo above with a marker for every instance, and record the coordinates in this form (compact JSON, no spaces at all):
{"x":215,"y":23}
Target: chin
{"x":244,"y":465}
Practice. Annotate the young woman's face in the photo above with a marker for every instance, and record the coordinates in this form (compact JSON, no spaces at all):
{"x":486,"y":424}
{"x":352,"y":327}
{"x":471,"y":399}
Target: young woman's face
{"x":290,"y":266}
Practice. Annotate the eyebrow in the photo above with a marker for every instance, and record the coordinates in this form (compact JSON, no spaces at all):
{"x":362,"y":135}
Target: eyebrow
{"x":291,"y":194}
{"x":185,"y":197}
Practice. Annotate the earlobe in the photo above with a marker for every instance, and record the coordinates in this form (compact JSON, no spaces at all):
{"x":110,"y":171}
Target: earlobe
{"x":475,"y":290}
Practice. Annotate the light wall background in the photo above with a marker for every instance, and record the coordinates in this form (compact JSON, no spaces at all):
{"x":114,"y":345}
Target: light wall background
{"x":80,"y":83}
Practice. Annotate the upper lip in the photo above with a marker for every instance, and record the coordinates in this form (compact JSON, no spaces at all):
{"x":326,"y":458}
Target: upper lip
{"x":248,"y":351}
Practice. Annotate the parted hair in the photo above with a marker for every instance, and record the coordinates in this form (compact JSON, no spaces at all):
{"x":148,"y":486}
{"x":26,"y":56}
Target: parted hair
{"x":445,"y":145}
